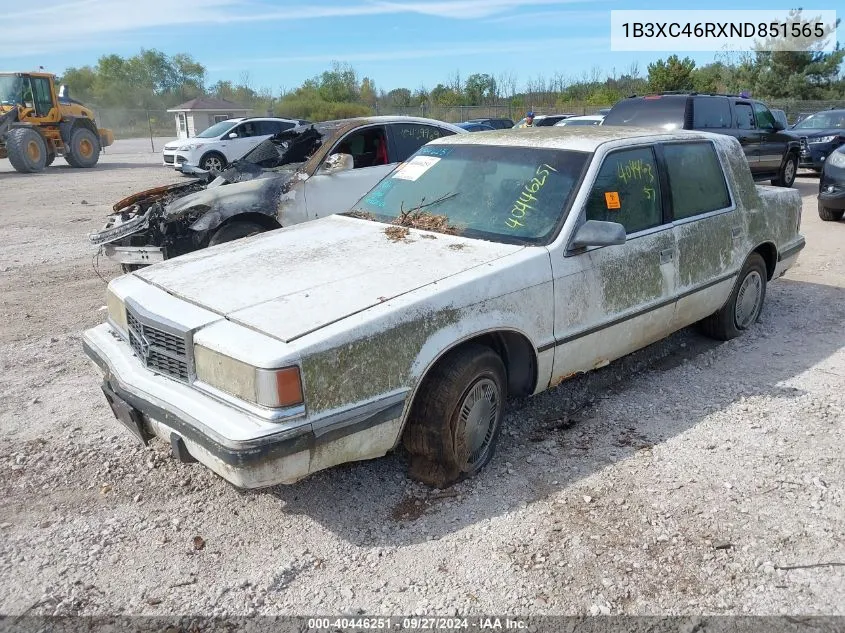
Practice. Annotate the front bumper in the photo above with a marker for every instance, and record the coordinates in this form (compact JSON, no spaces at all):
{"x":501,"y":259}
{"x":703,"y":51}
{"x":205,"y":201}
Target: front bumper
{"x":133,"y":255}
{"x":247,"y":450}
{"x":813,"y":155}
{"x":174,"y":158}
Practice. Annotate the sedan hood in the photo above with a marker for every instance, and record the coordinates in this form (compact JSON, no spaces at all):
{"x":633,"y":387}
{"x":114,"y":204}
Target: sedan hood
{"x":292,"y":281}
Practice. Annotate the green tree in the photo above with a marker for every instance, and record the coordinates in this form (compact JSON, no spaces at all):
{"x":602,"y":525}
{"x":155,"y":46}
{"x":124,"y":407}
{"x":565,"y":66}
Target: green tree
{"x":673,"y":74}
{"x":479,"y":88}
{"x":400,"y":97}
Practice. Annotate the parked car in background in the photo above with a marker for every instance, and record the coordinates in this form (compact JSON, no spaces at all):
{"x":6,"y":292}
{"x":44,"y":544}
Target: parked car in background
{"x":497,"y":124}
{"x":223,"y":142}
{"x":771,"y":152}
{"x":589,"y":119}
{"x":485,"y":266}
{"x":832,"y":186}
{"x":821,"y":134}
{"x":471,"y":126}
{"x":544,"y":120}
{"x":302,"y":174}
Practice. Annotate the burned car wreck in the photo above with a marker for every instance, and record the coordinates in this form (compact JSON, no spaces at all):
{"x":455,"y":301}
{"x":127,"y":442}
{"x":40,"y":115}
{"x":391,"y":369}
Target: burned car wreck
{"x":298,"y":175}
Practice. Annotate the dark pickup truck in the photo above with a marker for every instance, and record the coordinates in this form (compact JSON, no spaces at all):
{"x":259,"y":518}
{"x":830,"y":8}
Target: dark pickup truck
{"x":772,"y":153}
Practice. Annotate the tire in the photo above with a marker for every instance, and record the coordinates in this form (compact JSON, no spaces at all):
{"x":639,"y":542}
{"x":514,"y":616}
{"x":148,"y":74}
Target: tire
{"x":235,"y":230}
{"x":213,"y":160}
{"x":745,"y":304}
{"x":830,"y":215}
{"x":83,"y":150}
{"x":786,"y":176}
{"x":456,"y":417}
{"x":27,"y":150}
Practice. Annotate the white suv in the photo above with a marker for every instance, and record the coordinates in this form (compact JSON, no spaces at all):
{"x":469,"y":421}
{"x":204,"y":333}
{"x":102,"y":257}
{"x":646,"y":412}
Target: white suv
{"x":223,"y":142}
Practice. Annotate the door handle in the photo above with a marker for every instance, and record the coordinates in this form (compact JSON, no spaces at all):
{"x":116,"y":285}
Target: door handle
{"x":666,"y":255}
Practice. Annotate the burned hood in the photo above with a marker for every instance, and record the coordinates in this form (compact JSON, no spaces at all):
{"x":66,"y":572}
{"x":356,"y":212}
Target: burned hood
{"x":258,"y":194}
{"x":292,"y":281}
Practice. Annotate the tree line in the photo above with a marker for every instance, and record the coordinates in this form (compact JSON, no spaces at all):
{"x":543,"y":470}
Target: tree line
{"x":156,"y":81}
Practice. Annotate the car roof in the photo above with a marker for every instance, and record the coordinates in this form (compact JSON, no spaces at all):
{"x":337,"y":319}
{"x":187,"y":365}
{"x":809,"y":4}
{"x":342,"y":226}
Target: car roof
{"x":578,"y":138}
{"x":365,"y":120}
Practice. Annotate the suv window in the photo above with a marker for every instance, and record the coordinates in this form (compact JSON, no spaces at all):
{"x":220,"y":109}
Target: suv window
{"x":247,"y":129}
{"x":271,"y":127}
{"x":655,"y":111}
{"x":744,"y":116}
{"x":696,"y":181}
{"x":409,"y":137}
{"x":627,"y":191}
{"x":765,"y":118}
{"x":711,"y":113}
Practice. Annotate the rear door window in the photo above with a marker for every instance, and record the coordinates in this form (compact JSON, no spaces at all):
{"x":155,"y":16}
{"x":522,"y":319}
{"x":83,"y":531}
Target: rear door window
{"x":627,"y":191}
{"x":744,"y":116}
{"x":409,"y":137}
{"x":696,"y":180}
{"x":711,"y":113}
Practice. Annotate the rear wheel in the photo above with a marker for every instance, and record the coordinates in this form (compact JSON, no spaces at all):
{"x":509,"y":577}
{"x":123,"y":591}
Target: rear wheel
{"x":786,"y":176}
{"x":27,"y":150}
{"x":83,"y":149}
{"x":234,"y":231}
{"x":456,"y":417}
{"x":744,"y":305}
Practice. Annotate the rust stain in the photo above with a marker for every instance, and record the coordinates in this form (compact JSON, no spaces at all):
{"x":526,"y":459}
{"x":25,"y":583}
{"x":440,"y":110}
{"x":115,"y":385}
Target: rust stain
{"x":556,"y":381}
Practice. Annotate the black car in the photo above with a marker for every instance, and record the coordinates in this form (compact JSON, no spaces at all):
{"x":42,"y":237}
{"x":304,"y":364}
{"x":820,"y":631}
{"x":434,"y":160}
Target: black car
{"x":474,"y":126}
{"x":496,"y":124}
{"x":823,"y":132}
{"x":832,"y":187}
{"x":772,"y":153}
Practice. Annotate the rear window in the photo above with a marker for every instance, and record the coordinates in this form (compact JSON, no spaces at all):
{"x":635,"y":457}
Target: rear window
{"x":710,"y":113}
{"x":660,"y":111}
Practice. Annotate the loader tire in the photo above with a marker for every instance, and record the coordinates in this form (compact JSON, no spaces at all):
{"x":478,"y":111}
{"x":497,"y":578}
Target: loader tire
{"x":27,"y":150}
{"x":83,"y":149}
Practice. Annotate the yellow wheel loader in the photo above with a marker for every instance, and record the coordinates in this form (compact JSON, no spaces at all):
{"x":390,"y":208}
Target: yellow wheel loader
{"x":37,"y":124}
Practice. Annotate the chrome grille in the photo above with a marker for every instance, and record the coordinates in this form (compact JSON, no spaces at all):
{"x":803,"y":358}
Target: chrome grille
{"x":160,"y":351}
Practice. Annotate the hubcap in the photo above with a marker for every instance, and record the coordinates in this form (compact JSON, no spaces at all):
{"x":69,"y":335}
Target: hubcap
{"x":33,"y":151}
{"x":213,"y":163}
{"x":748,"y":300}
{"x":85,"y":148}
{"x":477,"y":422}
{"x":789,"y":170}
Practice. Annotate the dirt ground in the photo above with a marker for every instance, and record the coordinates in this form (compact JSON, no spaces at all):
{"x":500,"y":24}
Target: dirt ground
{"x":691,"y":477}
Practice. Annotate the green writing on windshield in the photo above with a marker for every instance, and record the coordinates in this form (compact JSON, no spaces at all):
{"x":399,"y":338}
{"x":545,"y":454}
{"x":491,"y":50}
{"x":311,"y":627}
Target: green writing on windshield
{"x":635,"y":170}
{"x":527,"y":196}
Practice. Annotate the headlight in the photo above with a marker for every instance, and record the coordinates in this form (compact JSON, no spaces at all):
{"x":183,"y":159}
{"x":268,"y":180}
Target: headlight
{"x":117,"y":310}
{"x":188,"y":148}
{"x":821,"y":139}
{"x":273,"y":388}
{"x":837,"y":159}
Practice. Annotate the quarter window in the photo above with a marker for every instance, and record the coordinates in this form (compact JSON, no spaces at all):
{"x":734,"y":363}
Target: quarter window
{"x":627,"y":191}
{"x":409,"y":137}
{"x":696,"y":181}
{"x":711,"y":113}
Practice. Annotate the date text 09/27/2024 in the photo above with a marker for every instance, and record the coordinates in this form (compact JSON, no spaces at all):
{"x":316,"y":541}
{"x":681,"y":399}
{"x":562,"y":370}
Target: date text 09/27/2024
{"x":420,"y":623}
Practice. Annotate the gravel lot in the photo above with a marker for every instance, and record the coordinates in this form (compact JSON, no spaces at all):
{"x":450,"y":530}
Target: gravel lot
{"x":687,"y":478}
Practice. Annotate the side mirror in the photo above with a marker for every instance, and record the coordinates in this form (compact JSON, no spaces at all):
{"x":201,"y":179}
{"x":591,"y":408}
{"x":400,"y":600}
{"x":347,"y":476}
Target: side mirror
{"x":232,"y":135}
{"x":779,"y":126}
{"x":597,"y":233}
{"x":339,"y":162}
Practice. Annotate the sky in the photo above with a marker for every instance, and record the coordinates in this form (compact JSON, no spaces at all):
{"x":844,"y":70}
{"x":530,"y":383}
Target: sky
{"x":397,"y":43}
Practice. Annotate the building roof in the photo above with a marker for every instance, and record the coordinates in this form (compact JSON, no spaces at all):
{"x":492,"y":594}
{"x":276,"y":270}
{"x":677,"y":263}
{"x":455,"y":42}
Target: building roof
{"x":209,"y":104}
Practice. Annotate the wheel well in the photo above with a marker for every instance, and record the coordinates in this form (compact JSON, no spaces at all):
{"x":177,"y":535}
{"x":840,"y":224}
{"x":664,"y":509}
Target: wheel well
{"x":215,"y":152}
{"x":770,"y":255}
{"x":517,"y":354}
{"x":267,"y":221}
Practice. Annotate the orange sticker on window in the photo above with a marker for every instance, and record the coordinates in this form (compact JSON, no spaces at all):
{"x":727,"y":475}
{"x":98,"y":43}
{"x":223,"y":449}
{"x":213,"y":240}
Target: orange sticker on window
{"x":612,"y":200}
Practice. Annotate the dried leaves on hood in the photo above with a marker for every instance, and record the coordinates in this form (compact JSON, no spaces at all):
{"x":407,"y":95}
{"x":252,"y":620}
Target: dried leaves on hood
{"x":417,"y":219}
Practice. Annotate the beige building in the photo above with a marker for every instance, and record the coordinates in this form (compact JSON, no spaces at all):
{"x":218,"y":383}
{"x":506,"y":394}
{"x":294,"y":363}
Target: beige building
{"x":194,"y":116}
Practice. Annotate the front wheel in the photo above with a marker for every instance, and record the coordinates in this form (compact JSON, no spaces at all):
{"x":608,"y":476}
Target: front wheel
{"x":830,"y":215}
{"x":786,"y":176}
{"x":27,"y":150}
{"x":235,"y":231}
{"x":745,"y":304}
{"x":83,"y":149}
{"x":213,"y":162}
{"x":457,"y":415}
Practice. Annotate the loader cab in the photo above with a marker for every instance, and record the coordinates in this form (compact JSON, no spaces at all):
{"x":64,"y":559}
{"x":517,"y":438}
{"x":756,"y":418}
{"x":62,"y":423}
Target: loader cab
{"x":35,"y":91}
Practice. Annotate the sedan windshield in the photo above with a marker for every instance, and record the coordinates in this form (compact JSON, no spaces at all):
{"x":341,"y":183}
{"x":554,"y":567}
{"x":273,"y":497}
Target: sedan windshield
{"x":502,"y":194}
{"x":217,"y":129}
{"x":823,"y":120}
